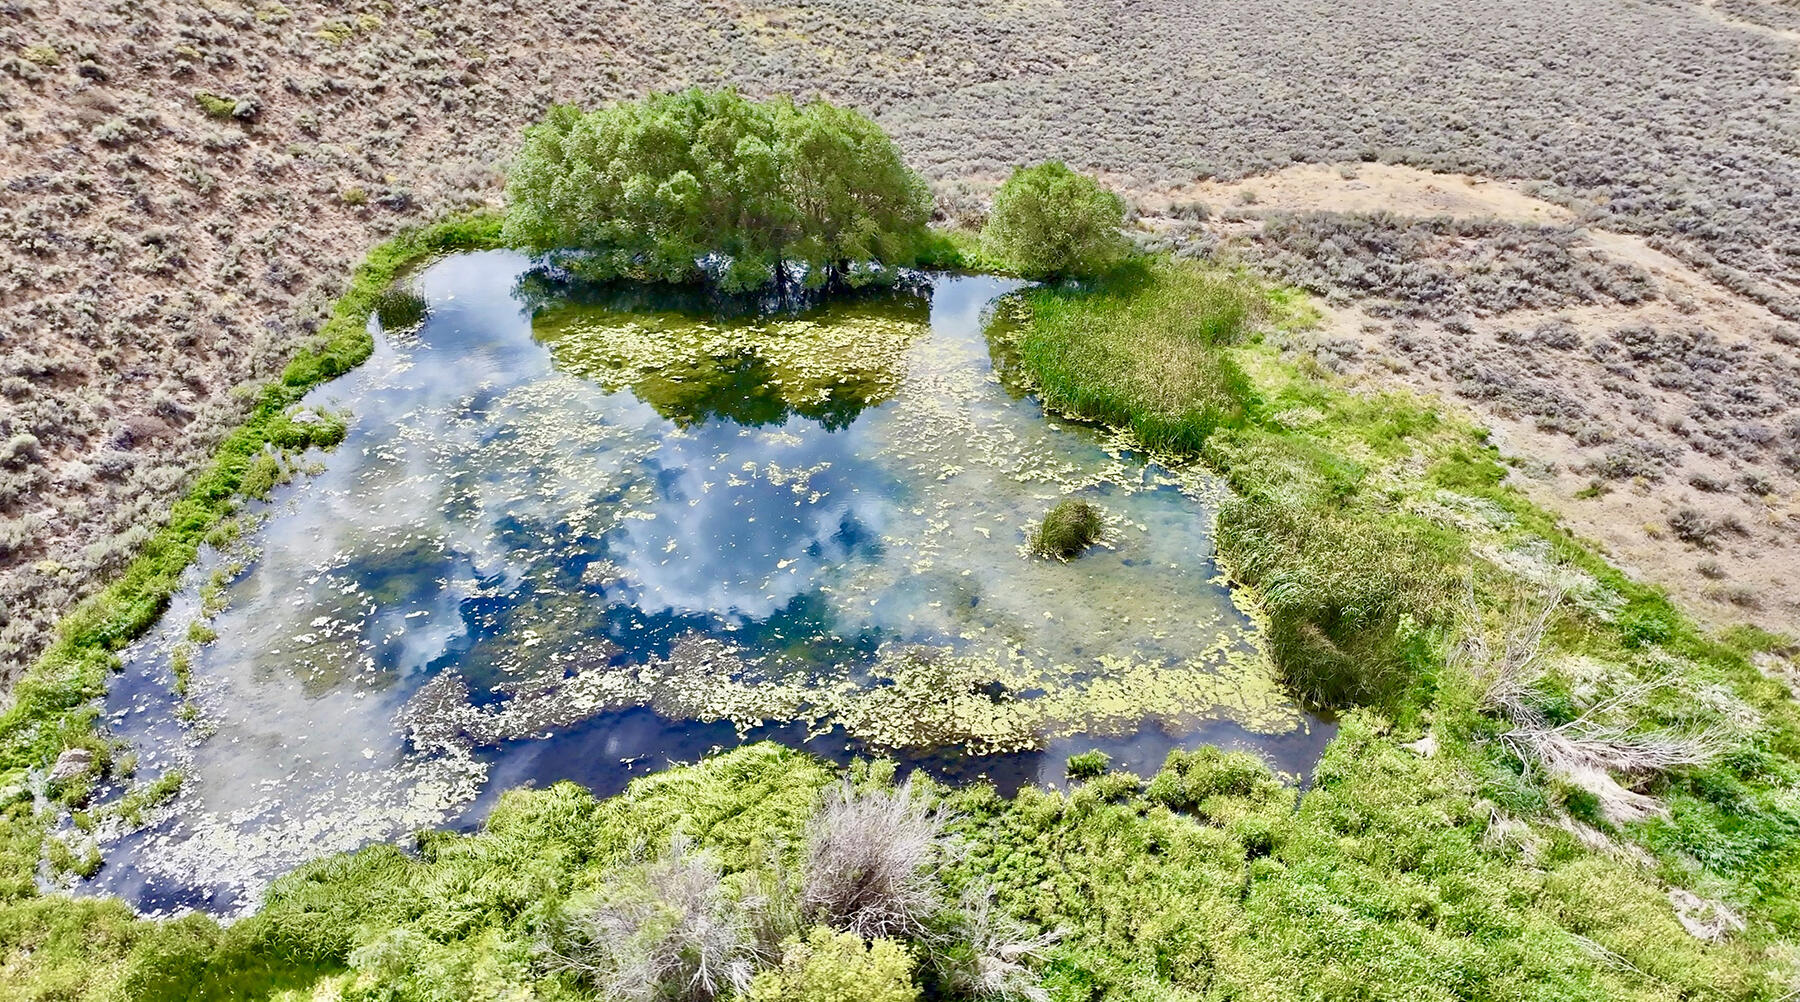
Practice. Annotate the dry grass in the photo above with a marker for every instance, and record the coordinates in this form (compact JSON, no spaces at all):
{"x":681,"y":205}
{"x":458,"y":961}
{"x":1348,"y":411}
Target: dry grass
{"x":1592,"y":750}
{"x":669,"y":930}
{"x":1001,"y":951}
{"x":871,"y":861}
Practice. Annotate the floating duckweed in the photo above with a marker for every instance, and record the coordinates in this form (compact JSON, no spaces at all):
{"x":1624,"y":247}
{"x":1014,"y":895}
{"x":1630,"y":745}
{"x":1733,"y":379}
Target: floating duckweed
{"x":752,"y":371}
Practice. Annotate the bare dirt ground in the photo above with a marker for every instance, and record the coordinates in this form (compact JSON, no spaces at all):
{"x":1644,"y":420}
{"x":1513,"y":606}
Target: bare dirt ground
{"x":1661,"y":427}
{"x":156,"y":256}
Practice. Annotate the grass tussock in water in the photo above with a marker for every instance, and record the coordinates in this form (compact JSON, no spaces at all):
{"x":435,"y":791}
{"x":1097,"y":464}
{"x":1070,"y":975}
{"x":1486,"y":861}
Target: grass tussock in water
{"x":398,"y":308}
{"x":1139,"y":349}
{"x":1069,"y":528}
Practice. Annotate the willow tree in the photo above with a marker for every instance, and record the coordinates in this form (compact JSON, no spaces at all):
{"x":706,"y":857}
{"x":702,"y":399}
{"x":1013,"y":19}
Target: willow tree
{"x":1051,"y":222}
{"x":706,"y":184}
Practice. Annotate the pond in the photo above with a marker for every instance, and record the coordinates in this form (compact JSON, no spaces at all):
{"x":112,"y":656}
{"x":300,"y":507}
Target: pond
{"x":582,"y":534}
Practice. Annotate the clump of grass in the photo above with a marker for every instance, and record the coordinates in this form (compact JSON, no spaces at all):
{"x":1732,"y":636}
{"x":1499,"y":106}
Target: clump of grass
{"x":1088,"y":764}
{"x":398,"y":308}
{"x":1140,"y":349}
{"x":1069,"y":528}
{"x":666,"y":930}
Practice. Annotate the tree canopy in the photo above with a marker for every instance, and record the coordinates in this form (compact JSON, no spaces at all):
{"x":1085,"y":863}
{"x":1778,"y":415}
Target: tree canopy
{"x":707,"y":184}
{"x":1051,"y":222}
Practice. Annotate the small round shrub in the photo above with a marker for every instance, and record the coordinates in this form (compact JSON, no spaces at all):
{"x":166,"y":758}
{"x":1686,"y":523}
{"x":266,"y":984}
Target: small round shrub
{"x":1069,"y":528}
{"x":1051,"y":222}
{"x":838,"y":967}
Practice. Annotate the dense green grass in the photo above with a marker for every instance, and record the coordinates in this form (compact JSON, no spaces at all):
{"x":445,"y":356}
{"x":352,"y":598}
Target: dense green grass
{"x":1139,"y":349}
{"x":1069,"y":528}
{"x":1203,"y":883}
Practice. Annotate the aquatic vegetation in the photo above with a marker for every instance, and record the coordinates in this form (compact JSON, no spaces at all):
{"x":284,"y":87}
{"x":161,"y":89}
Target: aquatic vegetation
{"x":1070,"y":527}
{"x":755,"y":371}
{"x":1049,"y":222}
{"x":1088,"y":765}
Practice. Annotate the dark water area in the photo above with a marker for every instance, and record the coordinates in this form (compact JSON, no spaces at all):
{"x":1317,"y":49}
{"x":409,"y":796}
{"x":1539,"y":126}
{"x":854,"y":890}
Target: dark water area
{"x":583,"y":534}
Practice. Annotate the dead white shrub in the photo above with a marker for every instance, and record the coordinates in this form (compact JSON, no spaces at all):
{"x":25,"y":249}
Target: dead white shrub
{"x":871,"y":858}
{"x":1001,"y":950}
{"x":668,"y":929}
{"x":1704,"y":918}
{"x":1589,"y":751}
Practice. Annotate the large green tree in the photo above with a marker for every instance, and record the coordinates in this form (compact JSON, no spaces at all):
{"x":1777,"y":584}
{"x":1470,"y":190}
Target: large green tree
{"x":1051,"y":222}
{"x":698,"y":184}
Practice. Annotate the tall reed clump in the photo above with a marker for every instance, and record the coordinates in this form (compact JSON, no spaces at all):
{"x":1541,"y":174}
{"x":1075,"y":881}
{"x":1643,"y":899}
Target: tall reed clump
{"x":1140,"y":349}
{"x":1338,"y":587}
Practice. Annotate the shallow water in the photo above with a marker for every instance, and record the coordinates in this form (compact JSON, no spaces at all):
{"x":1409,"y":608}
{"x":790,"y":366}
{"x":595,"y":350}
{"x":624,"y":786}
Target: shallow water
{"x":571,"y":536}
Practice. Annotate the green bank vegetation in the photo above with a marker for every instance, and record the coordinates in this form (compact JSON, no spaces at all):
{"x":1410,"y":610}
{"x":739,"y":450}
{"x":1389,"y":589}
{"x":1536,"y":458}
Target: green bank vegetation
{"x":1390,"y":880}
{"x":1398,"y":572}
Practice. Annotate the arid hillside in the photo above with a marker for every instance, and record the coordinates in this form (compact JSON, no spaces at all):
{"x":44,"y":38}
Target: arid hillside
{"x":186,"y":185}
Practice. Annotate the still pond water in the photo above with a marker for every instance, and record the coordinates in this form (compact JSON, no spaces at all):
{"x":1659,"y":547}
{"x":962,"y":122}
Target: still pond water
{"x":582,"y":535}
